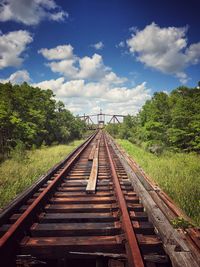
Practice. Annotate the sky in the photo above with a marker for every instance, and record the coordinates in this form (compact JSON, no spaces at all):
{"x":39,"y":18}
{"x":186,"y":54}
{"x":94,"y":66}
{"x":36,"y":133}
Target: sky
{"x":101,"y":54}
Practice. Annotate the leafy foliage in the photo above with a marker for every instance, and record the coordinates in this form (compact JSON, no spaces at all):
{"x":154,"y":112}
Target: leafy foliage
{"x":181,"y":223}
{"x":33,"y":117}
{"x":166,"y":121}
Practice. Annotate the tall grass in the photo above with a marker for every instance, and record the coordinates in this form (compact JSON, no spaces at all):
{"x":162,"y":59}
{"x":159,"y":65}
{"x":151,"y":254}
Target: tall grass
{"x":18,"y":173}
{"x":178,"y":174}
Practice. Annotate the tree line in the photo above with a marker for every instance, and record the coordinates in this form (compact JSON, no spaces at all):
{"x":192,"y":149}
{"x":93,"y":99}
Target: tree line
{"x":31,"y":116}
{"x":169,"y":121}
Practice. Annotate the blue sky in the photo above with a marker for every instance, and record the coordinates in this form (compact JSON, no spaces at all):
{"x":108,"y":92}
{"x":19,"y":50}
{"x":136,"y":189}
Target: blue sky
{"x":101,"y":54}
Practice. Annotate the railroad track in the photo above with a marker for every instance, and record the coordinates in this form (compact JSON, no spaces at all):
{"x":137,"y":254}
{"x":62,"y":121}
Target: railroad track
{"x":84,"y":212}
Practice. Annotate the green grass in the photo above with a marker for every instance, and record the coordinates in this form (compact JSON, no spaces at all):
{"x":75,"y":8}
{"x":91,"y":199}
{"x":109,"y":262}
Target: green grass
{"x":178,"y":174}
{"x":16,"y":175}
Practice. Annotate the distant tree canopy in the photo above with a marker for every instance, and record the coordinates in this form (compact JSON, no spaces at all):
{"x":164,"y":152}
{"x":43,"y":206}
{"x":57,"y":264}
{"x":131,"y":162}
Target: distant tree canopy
{"x":165,"y":121}
{"x":33,"y":116}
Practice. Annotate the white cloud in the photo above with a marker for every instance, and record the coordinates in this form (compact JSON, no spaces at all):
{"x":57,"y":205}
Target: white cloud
{"x":193,"y":53}
{"x":12,"y":45}
{"x":65,"y":67}
{"x":80,"y":96}
{"x":58,"y":16}
{"x":50,"y":84}
{"x":17,"y":77}
{"x":59,"y":52}
{"x":74,"y":67}
{"x":133,"y":29}
{"x":91,"y":67}
{"x":98,"y":46}
{"x":164,"y":49}
{"x":121,"y":44}
{"x":183,"y":78}
{"x":89,"y":84}
{"x":31,"y":12}
{"x":112,"y":78}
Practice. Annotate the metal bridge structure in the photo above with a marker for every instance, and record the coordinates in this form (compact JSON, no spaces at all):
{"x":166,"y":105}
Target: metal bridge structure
{"x":99,"y":120}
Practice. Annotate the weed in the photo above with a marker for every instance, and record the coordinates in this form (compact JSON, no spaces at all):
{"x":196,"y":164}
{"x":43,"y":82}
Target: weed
{"x":17,"y":174}
{"x":181,"y":223}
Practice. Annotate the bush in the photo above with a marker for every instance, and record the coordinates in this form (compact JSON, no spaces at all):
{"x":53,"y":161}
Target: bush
{"x":155,"y":147}
{"x":19,"y":153}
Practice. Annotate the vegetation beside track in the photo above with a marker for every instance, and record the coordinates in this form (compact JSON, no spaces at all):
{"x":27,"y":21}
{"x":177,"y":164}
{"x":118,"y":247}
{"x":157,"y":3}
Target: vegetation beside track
{"x":178,"y":174}
{"x":165,"y":122}
{"x":31,"y":117}
{"x":19,"y":172}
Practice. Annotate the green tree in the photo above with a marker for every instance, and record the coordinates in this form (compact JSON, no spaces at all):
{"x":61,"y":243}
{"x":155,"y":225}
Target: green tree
{"x":155,"y":119}
{"x":184,"y":131}
{"x":32,"y":116}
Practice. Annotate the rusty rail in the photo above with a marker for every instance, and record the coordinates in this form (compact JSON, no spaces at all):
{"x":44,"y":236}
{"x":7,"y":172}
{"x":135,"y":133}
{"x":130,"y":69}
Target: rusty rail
{"x":135,"y":258}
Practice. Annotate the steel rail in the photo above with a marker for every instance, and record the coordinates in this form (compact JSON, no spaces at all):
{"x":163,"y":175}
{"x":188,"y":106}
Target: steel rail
{"x":133,"y":251}
{"x":29,"y":212}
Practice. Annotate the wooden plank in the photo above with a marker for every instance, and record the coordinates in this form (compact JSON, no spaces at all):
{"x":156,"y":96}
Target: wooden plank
{"x":80,"y":189}
{"x":195,"y":236}
{"x":69,"y":185}
{"x":75,"y":229}
{"x":80,"y":194}
{"x":81,"y":208}
{"x":135,"y":207}
{"x":143,"y":228}
{"x":138,"y":216}
{"x":74,"y":183}
{"x":78,"y":217}
{"x":92,"y":152}
{"x":54,"y":247}
{"x":83,"y":200}
{"x":162,"y":206}
{"x":132,"y":199}
{"x":115,"y":263}
{"x":92,"y":181}
{"x":149,"y":243}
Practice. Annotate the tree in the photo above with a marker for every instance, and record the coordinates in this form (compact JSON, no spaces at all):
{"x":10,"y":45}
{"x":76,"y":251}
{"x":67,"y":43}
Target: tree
{"x":165,"y":121}
{"x":32,"y":116}
{"x":184,"y":131}
{"x":155,"y":118}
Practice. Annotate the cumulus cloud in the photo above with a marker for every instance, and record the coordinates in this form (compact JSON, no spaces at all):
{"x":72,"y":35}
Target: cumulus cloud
{"x":164,"y":49}
{"x":81,"y":96}
{"x":64,"y":67}
{"x":112,"y":78}
{"x":91,"y":67}
{"x":31,"y":12}
{"x":59,"y":52}
{"x":98,"y":46}
{"x":12,"y":45}
{"x":65,"y":62}
{"x":17,"y":77}
{"x":88,"y":84}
